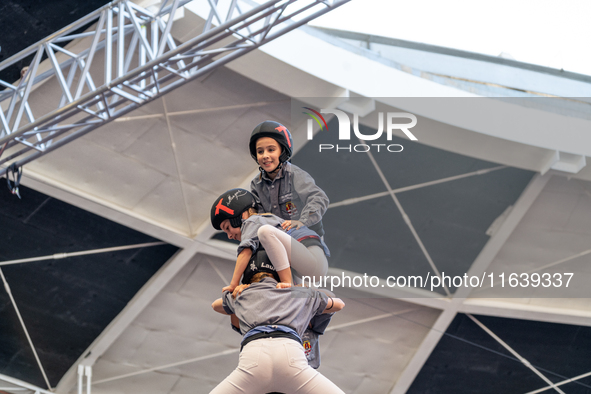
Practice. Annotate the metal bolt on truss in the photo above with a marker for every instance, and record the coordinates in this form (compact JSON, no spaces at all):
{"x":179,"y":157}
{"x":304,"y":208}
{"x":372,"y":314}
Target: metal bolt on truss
{"x":141,"y":63}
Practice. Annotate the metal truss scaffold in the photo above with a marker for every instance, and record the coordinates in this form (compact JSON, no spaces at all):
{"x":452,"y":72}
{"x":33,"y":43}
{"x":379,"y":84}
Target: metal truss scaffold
{"x":141,"y":62}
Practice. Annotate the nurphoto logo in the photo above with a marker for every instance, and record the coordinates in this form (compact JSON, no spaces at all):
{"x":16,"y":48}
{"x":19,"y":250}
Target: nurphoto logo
{"x":394,"y":121}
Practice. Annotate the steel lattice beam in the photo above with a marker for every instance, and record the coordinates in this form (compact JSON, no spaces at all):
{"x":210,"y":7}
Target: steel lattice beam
{"x":141,"y":63}
{"x":20,"y":385}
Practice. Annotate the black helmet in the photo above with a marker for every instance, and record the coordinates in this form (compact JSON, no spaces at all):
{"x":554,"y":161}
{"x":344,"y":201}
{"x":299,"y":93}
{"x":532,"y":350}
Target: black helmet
{"x":259,"y":262}
{"x":230,"y":205}
{"x":274,"y":130}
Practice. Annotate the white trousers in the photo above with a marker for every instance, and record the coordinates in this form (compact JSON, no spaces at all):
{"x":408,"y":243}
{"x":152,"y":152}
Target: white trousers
{"x":285,"y":251}
{"x":275,"y":365}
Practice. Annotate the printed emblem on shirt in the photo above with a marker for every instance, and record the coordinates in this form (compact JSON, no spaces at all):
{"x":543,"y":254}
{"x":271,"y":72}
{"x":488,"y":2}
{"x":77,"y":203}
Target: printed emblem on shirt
{"x":291,"y":208}
{"x":285,"y":197}
{"x":307,"y":348}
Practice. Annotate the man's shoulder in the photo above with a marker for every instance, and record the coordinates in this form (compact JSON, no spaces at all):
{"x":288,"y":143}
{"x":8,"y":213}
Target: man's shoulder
{"x":264,"y":284}
{"x":306,"y":292}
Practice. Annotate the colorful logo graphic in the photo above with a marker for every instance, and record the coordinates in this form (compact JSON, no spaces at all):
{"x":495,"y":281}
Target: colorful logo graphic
{"x":388,"y":123}
{"x":291,"y":208}
{"x":222,"y":207}
{"x":315,"y":116}
{"x":307,"y":348}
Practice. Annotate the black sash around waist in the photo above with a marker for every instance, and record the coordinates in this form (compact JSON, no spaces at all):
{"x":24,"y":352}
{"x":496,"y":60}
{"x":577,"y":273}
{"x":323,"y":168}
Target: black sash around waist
{"x":273,"y":334}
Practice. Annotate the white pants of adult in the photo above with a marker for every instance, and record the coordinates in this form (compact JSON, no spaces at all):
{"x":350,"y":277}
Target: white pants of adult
{"x":285,"y":251}
{"x":275,"y":365}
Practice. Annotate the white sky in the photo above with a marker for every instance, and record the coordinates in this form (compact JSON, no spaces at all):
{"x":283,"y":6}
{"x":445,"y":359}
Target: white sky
{"x":556,"y":34}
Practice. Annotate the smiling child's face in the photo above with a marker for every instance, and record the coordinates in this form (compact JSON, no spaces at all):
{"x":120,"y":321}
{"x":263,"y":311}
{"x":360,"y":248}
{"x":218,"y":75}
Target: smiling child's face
{"x":268,"y":151}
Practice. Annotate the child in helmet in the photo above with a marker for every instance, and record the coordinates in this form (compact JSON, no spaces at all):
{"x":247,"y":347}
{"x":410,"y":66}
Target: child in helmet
{"x":283,"y":188}
{"x":234,"y":212}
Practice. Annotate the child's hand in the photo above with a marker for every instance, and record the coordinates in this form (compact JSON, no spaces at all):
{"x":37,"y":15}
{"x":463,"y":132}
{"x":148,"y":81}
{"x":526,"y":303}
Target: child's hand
{"x":229,"y":288}
{"x":238,"y":290}
{"x":283,"y":285}
{"x":289,"y":224}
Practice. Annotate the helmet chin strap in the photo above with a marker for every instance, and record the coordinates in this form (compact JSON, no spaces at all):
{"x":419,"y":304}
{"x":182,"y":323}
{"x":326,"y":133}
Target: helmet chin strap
{"x":280,"y":166}
{"x":236,"y":221}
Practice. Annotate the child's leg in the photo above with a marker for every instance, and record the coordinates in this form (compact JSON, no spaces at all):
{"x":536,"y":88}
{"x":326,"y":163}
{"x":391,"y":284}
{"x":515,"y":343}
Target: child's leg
{"x":284,"y":251}
{"x":321,"y":264}
{"x":277,"y":245}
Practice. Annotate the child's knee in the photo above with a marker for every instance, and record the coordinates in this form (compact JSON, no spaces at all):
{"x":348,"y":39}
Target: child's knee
{"x":265,"y":231}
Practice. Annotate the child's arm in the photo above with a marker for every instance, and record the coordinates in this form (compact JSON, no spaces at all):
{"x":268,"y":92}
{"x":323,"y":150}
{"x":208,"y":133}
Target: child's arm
{"x":241,"y":263}
{"x":314,"y":198}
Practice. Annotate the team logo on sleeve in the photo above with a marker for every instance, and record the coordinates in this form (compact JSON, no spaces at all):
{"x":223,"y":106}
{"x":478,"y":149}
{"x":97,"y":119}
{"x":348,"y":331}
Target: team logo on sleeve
{"x":291,"y":208}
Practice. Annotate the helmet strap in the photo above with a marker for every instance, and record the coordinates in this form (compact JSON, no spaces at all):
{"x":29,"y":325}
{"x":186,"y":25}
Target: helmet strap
{"x":236,"y":221}
{"x":276,"y":170}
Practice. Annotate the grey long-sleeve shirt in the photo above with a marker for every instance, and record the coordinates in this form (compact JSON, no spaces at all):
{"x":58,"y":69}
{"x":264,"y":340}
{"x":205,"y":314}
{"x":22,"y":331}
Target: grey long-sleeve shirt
{"x":262,"y":304}
{"x":292,"y":195}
